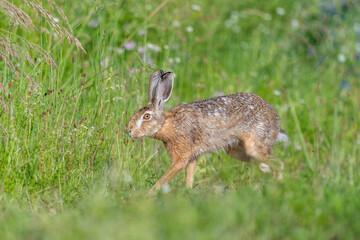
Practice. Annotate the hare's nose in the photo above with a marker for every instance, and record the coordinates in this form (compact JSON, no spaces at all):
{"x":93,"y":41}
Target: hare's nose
{"x":129,"y":132}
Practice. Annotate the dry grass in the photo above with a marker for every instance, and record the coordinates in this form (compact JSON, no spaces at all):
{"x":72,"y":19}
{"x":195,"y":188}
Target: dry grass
{"x":12,"y":51}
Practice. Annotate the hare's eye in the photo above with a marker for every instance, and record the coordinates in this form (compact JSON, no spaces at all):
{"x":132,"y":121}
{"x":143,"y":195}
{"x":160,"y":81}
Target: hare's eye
{"x":147,"y":116}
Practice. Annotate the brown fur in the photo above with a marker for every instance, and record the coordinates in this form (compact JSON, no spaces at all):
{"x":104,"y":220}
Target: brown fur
{"x":243,"y":124}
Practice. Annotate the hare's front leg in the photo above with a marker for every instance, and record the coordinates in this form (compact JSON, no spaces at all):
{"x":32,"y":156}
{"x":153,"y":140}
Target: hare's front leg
{"x":190,"y":171}
{"x":174,"y":169}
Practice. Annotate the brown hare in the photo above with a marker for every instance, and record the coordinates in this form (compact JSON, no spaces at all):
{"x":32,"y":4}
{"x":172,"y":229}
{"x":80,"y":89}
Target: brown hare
{"x":243,"y":124}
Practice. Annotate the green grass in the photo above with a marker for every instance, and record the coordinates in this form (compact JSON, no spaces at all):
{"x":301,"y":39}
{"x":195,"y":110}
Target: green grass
{"x":68,"y":171}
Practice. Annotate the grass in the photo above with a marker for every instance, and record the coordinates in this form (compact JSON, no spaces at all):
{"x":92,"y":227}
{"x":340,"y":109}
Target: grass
{"x":67,"y":170}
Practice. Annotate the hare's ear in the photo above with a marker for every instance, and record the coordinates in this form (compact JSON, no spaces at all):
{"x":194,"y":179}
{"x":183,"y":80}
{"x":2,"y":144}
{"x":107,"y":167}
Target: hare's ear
{"x":154,"y":80}
{"x":164,"y":88}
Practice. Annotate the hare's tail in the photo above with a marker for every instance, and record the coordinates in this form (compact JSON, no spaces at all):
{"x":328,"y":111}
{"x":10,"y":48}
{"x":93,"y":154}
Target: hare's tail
{"x":282,"y":136}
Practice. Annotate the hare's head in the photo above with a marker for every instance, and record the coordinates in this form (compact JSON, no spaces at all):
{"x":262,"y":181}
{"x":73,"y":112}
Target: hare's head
{"x":147,"y":121}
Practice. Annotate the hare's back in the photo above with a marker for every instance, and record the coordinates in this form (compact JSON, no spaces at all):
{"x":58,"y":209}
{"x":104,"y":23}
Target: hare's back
{"x":245,"y":110}
{"x":246,"y":105}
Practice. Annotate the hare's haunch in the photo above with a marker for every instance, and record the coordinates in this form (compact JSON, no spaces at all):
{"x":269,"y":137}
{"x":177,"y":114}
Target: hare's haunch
{"x":243,"y":124}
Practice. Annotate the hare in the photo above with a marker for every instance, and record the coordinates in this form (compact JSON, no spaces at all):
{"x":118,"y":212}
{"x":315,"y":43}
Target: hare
{"x":243,"y":124}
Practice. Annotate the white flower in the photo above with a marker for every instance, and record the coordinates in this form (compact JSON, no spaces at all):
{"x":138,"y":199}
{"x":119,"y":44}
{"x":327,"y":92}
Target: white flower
{"x":280,"y":11}
{"x":116,"y":99}
{"x":267,"y":16}
{"x":56,"y":19}
{"x":166,"y":188}
{"x":234,"y":17}
{"x":295,"y":24}
{"x":177,"y":60}
{"x":195,"y":7}
{"x":357,"y":46}
{"x":228,"y":23}
{"x":298,"y":147}
{"x":189,"y":29}
{"x":166,"y":47}
{"x":119,"y":50}
{"x":276,"y":92}
{"x":357,"y":28}
{"x":171,"y":60}
{"x":127,"y":177}
{"x":153,"y":47}
{"x":176,"y":24}
{"x":341,"y":58}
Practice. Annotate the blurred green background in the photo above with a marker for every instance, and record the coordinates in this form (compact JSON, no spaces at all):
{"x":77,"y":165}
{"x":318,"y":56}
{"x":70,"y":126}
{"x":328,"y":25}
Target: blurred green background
{"x":68,"y":171}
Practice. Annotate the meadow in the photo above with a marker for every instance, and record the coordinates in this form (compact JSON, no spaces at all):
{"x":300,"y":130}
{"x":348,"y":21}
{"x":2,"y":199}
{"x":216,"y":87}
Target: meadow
{"x":68,"y":170}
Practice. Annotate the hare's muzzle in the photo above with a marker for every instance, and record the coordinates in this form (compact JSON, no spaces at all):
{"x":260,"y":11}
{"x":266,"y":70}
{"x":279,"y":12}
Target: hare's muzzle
{"x":127,"y":130}
{"x":129,"y":133}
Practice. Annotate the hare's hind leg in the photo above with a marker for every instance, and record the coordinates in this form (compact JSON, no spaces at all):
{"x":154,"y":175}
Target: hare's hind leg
{"x":238,"y":152}
{"x":262,"y":152}
{"x":190,"y":172}
{"x":277,"y":165}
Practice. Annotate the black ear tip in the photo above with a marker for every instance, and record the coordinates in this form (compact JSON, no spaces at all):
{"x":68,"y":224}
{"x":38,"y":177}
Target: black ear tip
{"x":165,"y":75}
